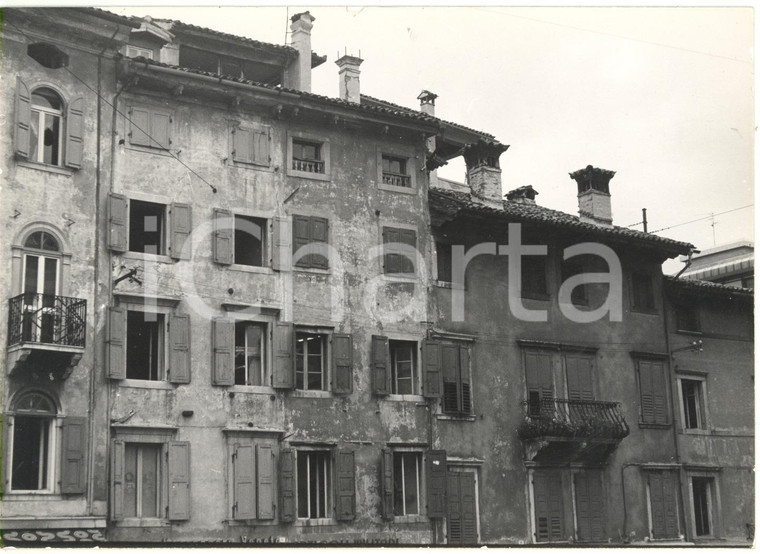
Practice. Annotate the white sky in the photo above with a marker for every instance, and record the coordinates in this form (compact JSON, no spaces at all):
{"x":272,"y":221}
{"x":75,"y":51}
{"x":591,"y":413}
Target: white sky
{"x":663,"y":96}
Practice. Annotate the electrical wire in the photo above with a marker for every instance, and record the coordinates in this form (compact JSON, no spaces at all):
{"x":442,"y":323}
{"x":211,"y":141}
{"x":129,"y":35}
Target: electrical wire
{"x":702,"y":218}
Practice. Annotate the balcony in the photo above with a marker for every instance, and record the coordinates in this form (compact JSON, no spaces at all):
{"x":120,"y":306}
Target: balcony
{"x":561,"y":430}
{"x":46,"y":334}
{"x":396,"y":180}
{"x":309,"y":166}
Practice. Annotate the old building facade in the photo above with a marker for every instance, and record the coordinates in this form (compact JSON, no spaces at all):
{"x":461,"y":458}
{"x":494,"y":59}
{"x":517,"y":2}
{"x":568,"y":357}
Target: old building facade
{"x":236,"y":313}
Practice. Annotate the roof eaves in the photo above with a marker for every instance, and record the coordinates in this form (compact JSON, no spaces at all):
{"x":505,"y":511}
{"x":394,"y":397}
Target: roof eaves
{"x":707,"y":286}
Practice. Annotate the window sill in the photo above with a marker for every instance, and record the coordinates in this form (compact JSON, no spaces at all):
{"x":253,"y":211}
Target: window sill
{"x":401,"y":190}
{"x":317,"y":522}
{"x":298,"y":393}
{"x":405,"y":398}
{"x":687,"y":332}
{"x":143,"y":384}
{"x":308,"y":175}
{"x":129,"y":255}
{"x":697,"y":432}
{"x":251,"y":165}
{"x":32,"y":495}
{"x":137,"y":522}
{"x":411,"y":519}
{"x":400,"y":277}
{"x":252,"y":389}
{"x":536,"y":296}
{"x":315,"y":270}
{"x":248,"y":522}
{"x":59,"y":170}
{"x":149,"y":149}
{"x":448,"y":285}
{"x":644,"y":312}
{"x":455,"y":417}
{"x":252,"y":269}
{"x":654,"y":425}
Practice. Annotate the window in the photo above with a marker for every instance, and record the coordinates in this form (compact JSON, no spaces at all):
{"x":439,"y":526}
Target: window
{"x":145,"y":346}
{"x":533,"y":277}
{"x":225,"y":65}
{"x":687,"y":318}
{"x":250,"y":241}
{"x":250,"y":145}
{"x":310,"y":242}
{"x":311,"y":354}
{"x":314,"y":482}
{"x":642,"y":293}
{"x":33,"y":439}
{"x":692,"y":403}
{"x":702,"y":494}
{"x":407,"y":479}
{"x":399,"y":250}
{"x":653,"y":401}
{"x":307,"y":156}
{"x":394,"y":172}
{"x":139,"y":52}
{"x":548,"y":507}
{"x":462,"y":506}
{"x":403,"y":366}
{"x":41,"y":282}
{"x":149,"y":127}
{"x":539,"y":379}
{"x":589,"y":506}
{"x":663,"y":504}
{"x":455,"y":367}
{"x":146,"y":227}
{"x":250,"y":364}
{"x":142,"y":478}
{"x":571,"y":267}
{"x":444,"y":261}
{"x":149,"y":227}
{"x":46,"y":127}
{"x":47,"y":55}
{"x":252,"y":466}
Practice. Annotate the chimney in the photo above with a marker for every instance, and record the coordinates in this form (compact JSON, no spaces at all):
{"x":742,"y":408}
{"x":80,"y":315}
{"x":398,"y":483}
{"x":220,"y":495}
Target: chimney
{"x":523,"y":195}
{"x":427,"y":102}
{"x":298,"y":75}
{"x":348,"y":78}
{"x":483,"y":171}
{"x":594,"y":204}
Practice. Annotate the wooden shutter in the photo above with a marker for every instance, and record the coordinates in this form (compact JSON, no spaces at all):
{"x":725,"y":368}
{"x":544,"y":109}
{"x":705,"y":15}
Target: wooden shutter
{"x":179,"y":354}
{"x":182,"y":224}
{"x":244,"y":491}
{"x":453,"y":509}
{"x":139,"y":127}
{"x":319,"y":235}
{"x":265,"y":481}
{"x":381,"y":375}
{"x":436,"y":483}
{"x":346,"y":493}
{"x":386,"y":483}
{"x":22,"y":128}
{"x":242,"y":149}
{"x":659,"y":393}
{"x":179,"y":480}
{"x":589,"y":506}
{"x":653,"y":389}
{"x":392,"y":262}
{"x":669,"y":487}
{"x":287,"y":486}
{"x":539,"y":382}
{"x":282,"y":256}
{"x":408,"y":237}
{"x":432,"y":359}
{"x":73,"y":456}
{"x":260,"y":139}
{"x":118,"y":224}
{"x":663,"y":504}
{"x":450,"y":371}
{"x":223,"y":225}
{"x":75,"y":132}
{"x":283,"y":376}
{"x":465,"y":386}
{"x":580,"y":377}
{"x":222,"y":365}
{"x":117,"y":480}
{"x":467,"y":498}
{"x":342,"y":363}
{"x":117,"y":342}
{"x":547,"y":499}
{"x":301,"y":238}
{"x":159,"y":130}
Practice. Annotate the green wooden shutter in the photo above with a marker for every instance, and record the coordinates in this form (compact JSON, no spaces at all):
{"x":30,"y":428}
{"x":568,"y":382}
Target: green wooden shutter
{"x":223,"y":225}
{"x":408,"y":237}
{"x":179,"y":480}
{"x":436,"y":483}
{"x":282,"y":255}
{"x":265,"y":481}
{"x":222,"y":364}
{"x":589,"y":506}
{"x":159,"y":130}
{"x":243,"y":486}
{"x":547,"y":499}
{"x":73,"y":456}
{"x":260,"y":139}
{"x":283,"y":376}
{"x":139,"y":127}
{"x":467,"y":498}
{"x":465,"y":386}
{"x":287,"y":486}
{"x":319,"y":238}
{"x":432,"y":359}
{"x":342,"y":363}
{"x":23,"y":116}
{"x":453,"y":509}
{"x":386,"y":484}
{"x":116,"y":359}
{"x":580,"y":377}
{"x":179,"y":353}
{"x":117,"y":480}
{"x":181,"y":227}
{"x":381,"y":375}
{"x":242,"y":149}
{"x":450,"y":371}
{"x":75,"y":132}
{"x":118,"y":224}
{"x":346,"y":491}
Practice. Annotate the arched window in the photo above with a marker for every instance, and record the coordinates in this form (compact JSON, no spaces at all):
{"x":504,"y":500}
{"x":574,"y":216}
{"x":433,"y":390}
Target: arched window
{"x":46,"y":126}
{"x":32,"y":443}
{"x":42,"y":284}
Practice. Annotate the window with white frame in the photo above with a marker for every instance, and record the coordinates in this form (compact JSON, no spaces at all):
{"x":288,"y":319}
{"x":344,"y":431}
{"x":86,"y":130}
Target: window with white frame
{"x":314,"y":483}
{"x":145,"y":345}
{"x":403,"y":355}
{"x":250,"y":353}
{"x":46,"y":144}
{"x":692,"y":391}
{"x":407,"y":483}
{"x":33,"y":443}
{"x":311,"y":361}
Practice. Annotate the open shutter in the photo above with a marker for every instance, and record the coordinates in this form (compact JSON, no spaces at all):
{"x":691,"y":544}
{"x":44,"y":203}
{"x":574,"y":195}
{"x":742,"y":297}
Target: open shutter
{"x":282,"y":255}
{"x":469,"y":509}
{"x":261,"y":146}
{"x":75,"y":133}
{"x":670,"y":502}
{"x":117,"y":222}
{"x":181,"y":221}
{"x":588,"y":506}
{"x":73,"y":450}
{"x":179,"y":355}
{"x":22,"y":134}
{"x":159,"y":130}
{"x":117,"y":480}
{"x":117,"y":338}
{"x":319,"y":238}
{"x":301,"y":238}
{"x":465,"y":403}
{"x":179,"y":480}
{"x":547,"y":497}
{"x":265,"y":481}
{"x":241,"y":145}
{"x":539,"y":383}
{"x":243,"y":506}
{"x":449,"y":369}
{"x":346,"y":486}
{"x":408,"y":237}
{"x":222,"y":371}
{"x":386,"y":483}
{"x":659,"y":395}
{"x":223,"y":225}
{"x":436,"y":483}
{"x":453,"y":509}
{"x":381,"y":375}
{"x":432,"y":358}
{"x":284,"y":359}
{"x":657,"y":505}
{"x":139,"y":127}
{"x":342,"y":358}
{"x":287,"y":486}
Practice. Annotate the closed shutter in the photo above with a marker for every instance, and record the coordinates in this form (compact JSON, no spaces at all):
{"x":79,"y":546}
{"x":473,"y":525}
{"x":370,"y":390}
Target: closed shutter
{"x":580,"y":384}
{"x":139,"y":127}
{"x":346,"y":509}
{"x":73,"y":449}
{"x":75,"y":132}
{"x":287,"y":486}
{"x":589,"y":506}
{"x":179,"y":354}
{"x":283,"y":376}
{"x":282,"y":256}
{"x":223,"y":331}
{"x":319,"y":237}
{"x":117,"y":480}
{"x":301,"y":238}
{"x":450,"y":371}
{"x":408,"y":237}
{"x":243,"y":506}
{"x":117,"y":339}
{"x":223,"y":225}
{"x":436,"y":483}
{"x":547,"y":499}
{"x":261,"y":146}
{"x":392,"y":262}
{"x":469,"y":508}
{"x":386,"y":483}
{"x":117,"y":222}
{"x":159,"y":129}
{"x":453,"y":509}
{"x":540,"y":383}
{"x":432,"y":359}
{"x":181,"y":222}
{"x":381,"y":375}
{"x":465,"y":403}
{"x":179,"y":480}
{"x":669,"y":485}
{"x":242,"y":149}
{"x":265,"y":481}
{"x":663,"y":504}
{"x":342,"y":355}
{"x":22,"y":129}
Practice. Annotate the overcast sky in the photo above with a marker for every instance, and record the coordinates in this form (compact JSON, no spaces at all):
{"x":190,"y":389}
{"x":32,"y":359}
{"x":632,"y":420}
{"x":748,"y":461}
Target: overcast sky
{"x":662,"y":96}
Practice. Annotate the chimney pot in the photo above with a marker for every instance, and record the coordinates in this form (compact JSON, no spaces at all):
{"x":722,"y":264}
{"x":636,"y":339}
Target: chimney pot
{"x":523,"y":195}
{"x":348,"y":78}
{"x":594,"y":201}
{"x":427,"y":102}
{"x":299,"y":72}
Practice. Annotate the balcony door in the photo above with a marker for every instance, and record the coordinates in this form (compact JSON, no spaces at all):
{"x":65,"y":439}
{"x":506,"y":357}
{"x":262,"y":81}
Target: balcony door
{"x":41,"y":280}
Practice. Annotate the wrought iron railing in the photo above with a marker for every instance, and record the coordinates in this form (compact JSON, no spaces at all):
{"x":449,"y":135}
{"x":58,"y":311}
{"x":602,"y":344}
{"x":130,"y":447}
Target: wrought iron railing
{"x":309,"y":166}
{"x":47,"y":319}
{"x":396,"y":180}
{"x":583,"y":419}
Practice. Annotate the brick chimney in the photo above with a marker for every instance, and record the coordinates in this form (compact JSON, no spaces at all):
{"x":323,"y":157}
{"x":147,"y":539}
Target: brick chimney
{"x":483,"y":171}
{"x":594,"y":202}
{"x":348,"y":78}
{"x":523,"y":195}
{"x":298,"y":74}
{"x":427,"y":102}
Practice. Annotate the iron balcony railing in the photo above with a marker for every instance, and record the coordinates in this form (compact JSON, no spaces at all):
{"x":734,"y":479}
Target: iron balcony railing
{"x":396,"y":180}
{"x":47,"y":319}
{"x":582,"y":419}
{"x":309,"y":166}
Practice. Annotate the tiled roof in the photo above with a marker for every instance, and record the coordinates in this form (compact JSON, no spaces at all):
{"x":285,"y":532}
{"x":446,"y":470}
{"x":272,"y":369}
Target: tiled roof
{"x":105,"y":14}
{"x":707,"y":286}
{"x":455,"y":201}
{"x":177,"y":25}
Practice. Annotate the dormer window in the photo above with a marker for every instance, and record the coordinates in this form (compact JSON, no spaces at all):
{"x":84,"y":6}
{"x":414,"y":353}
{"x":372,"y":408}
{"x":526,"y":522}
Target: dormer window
{"x":139,"y":52}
